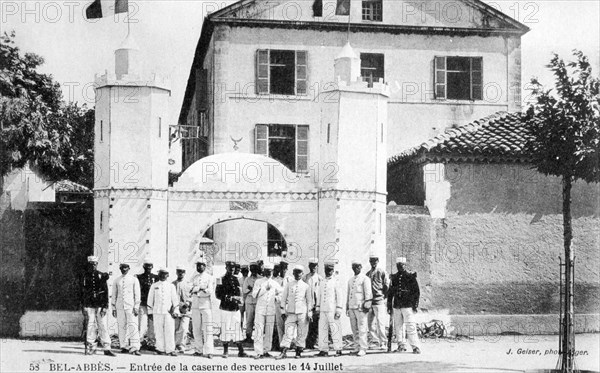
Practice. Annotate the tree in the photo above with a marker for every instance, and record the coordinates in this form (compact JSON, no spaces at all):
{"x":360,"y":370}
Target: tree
{"x":565,"y":125}
{"x":37,"y":127}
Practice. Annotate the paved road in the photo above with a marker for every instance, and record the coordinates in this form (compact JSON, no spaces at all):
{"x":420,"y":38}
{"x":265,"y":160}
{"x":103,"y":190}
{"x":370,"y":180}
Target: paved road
{"x":480,"y":355}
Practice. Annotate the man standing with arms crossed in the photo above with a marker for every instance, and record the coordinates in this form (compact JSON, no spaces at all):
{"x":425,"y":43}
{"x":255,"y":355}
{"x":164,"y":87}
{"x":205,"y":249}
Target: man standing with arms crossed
{"x":203,"y":288}
{"x":183,"y":313}
{"x":379,"y":285}
{"x":94,"y":305}
{"x":359,"y":293}
{"x":162,"y":300}
{"x":330,"y":304}
{"x":126,"y":305}
{"x":146,"y":323}
{"x":296,"y":308}
{"x":266,"y":291}
{"x":402,"y":304}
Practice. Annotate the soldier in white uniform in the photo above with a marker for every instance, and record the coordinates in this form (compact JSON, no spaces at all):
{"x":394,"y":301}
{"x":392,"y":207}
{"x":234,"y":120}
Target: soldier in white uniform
{"x":330,"y":305}
{"x":126,"y":298}
{"x":183,"y":313}
{"x":266,"y":291}
{"x":162,"y":302}
{"x":296,"y":309}
{"x":359,"y":295}
{"x":203,"y":289}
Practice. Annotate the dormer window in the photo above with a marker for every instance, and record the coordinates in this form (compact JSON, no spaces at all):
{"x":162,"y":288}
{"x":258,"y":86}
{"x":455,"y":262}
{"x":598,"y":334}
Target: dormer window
{"x":372,"y":10}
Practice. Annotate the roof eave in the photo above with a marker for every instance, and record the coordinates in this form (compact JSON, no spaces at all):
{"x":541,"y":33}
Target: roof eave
{"x":199,"y":55}
{"x":364,"y":27}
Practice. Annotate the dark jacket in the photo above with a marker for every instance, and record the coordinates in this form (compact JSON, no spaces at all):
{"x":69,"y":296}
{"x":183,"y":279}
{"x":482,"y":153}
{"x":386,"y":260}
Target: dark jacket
{"x":404,"y":291}
{"x":230,"y":287}
{"x":146,"y":282}
{"x":94,"y":289}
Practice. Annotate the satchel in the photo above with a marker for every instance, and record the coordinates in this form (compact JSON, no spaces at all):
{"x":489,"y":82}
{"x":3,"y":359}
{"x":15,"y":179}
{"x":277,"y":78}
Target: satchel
{"x":366,"y":305}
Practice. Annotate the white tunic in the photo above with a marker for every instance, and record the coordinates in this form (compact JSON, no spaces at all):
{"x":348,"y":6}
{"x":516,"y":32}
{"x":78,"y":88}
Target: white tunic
{"x":126,"y":293}
{"x":162,"y":298}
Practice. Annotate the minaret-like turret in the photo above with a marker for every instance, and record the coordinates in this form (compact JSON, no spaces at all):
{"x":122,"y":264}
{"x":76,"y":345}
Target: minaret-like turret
{"x":131,"y":155}
{"x":355,"y":120}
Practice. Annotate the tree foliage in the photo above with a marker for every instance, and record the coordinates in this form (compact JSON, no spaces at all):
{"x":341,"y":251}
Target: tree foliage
{"x":37,"y":126}
{"x":565,"y":121}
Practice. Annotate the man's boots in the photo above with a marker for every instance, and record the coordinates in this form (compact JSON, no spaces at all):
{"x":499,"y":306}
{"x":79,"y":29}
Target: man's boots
{"x":283,"y":354}
{"x":225,"y":349}
{"x":298,"y":352}
{"x":241,"y":352}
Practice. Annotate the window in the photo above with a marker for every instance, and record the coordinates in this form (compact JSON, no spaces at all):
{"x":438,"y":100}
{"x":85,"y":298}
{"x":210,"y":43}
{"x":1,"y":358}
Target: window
{"x":372,"y":10}
{"x":371,"y":67}
{"x":281,"y":72}
{"x":318,"y":8}
{"x":286,"y":143}
{"x":458,"y":78}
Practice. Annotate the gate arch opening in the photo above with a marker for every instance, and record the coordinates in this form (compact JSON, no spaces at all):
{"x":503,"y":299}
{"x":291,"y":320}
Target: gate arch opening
{"x":241,"y":239}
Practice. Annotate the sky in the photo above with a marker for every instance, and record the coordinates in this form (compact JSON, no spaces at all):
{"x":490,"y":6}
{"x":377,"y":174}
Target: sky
{"x":167,"y":32}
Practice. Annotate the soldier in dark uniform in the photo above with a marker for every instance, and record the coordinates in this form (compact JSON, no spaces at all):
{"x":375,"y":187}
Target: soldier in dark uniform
{"x":230,"y":293}
{"x":402,"y":304}
{"x":146,"y":321}
{"x":94,"y":305}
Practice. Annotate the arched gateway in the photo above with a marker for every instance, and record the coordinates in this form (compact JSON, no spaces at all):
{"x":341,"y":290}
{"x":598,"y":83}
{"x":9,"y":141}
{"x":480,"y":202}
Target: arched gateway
{"x":241,"y":193}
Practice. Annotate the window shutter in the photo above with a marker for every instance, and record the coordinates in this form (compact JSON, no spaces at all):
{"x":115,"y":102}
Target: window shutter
{"x":301,"y":148}
{"x":201,"y":89}
{"x":262,"y":71}
{"x":476,"y":78}
{"x":440,"y":77}
{"x":261,"y":139}
{"x":301,"y":73}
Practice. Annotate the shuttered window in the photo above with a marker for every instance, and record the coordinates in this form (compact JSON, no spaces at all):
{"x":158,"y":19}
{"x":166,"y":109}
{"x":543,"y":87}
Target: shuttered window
{"x":261,"y":143}
{"x":458,"y":78}
{"x":262,"y":71}
{"x":302,"y":149}
{"x":287,"y":144}
{"x":283,"y":72}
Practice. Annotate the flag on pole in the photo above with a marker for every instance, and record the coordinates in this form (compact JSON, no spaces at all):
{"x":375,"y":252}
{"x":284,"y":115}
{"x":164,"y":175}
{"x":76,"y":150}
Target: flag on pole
{"x":106,"y":8}
{"x":342,"y":8}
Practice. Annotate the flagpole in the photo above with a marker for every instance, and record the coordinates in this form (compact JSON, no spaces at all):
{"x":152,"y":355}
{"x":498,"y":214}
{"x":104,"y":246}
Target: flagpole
{"x":128,"y":23}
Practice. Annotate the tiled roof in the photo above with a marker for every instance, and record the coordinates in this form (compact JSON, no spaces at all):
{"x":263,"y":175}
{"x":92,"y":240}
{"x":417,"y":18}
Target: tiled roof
{"x":501,"y":137}
{"x":66,"y":186}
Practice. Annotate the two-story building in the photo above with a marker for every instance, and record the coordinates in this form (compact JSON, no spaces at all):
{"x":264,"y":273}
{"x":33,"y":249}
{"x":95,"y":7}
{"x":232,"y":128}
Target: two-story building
{"x":263,"y":73}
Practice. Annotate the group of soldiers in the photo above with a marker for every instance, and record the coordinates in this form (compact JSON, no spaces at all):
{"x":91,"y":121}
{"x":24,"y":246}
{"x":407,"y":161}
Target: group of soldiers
{"x":303,"y":310}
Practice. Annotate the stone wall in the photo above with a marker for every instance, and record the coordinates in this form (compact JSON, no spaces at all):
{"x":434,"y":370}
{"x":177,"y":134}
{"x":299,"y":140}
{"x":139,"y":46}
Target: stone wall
{"x":496,"y":252}
{"x":42,"y":251}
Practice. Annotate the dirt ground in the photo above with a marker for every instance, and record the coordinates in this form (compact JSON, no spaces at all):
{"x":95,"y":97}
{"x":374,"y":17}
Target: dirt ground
{"x":479,"y":355}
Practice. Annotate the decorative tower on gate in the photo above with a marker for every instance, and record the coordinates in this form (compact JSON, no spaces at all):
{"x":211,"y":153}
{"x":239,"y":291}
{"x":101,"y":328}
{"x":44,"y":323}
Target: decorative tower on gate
{"x":353,"y":175}
{"x":131,"y":154}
